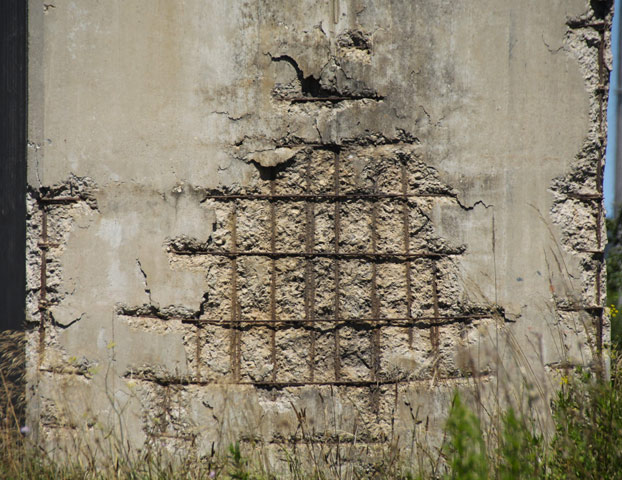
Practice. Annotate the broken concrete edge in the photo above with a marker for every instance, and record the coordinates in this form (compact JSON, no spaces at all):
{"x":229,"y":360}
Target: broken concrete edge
{"x":581,"y":189}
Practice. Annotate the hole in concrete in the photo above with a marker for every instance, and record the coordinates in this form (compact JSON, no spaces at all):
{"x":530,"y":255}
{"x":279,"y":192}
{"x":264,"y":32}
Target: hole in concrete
{"x":270,"y":173}
{"x":310,"y":85}
{"x":355,"y":39}
{"x":601,"y":8}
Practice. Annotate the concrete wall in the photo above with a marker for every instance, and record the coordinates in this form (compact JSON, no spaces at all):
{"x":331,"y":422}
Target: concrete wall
{"x":246,"y":213}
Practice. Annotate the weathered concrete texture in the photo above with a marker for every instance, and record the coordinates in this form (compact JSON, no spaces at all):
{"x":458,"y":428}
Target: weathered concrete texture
{"x":309,"y":222}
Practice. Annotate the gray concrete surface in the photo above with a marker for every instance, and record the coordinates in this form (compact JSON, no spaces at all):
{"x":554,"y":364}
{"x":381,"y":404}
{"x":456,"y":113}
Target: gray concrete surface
{"x":142,"y":113}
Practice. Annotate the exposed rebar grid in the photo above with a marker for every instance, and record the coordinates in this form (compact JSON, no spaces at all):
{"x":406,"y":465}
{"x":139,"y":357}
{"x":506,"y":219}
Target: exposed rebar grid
{"x":325,"y":316}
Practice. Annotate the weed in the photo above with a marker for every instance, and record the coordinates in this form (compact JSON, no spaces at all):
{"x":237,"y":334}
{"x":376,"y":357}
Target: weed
{"x":239,"y":469}
{"x":588,"y":419}
{"x":521,"y":453}
{"x":466,"y":451}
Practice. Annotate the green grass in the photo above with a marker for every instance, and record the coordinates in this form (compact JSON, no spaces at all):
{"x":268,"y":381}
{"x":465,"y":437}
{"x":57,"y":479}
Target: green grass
{"x":614,"y":276}
{"x":586,"y":444}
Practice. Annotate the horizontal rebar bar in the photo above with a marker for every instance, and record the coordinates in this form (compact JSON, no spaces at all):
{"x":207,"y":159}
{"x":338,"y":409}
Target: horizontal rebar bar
{"x":334,"y":98}
{"x":285,"y":384}
{"x":404,"y":320}
{"x":586,"y":196}
{"x":59,"y":199}
{"x":581,"y":308}
{"x":325,"y":196}
{"x":263,"y":253}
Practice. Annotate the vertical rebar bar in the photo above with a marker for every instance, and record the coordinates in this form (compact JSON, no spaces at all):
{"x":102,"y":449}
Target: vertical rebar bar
{"x":43,"y":306}
{"x":406,"y":225}
{"x":273,"y":277}
{"x":375,"y":306}
{"x":198,"y":328}
{"x":309,"y":274}
{"x":44,"y":249}
{"x":234,"y":351}
{"x":434,"y":330}
{"x":337,"y":349}
{"x":602,"y":79}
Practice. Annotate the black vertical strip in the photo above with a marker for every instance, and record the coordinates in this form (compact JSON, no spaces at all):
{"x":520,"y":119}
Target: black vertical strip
{"x":12,"y":163}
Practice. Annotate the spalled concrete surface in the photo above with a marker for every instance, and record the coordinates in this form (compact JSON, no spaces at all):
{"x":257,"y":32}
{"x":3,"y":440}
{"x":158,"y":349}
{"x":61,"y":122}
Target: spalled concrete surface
{"x":434,"y":165}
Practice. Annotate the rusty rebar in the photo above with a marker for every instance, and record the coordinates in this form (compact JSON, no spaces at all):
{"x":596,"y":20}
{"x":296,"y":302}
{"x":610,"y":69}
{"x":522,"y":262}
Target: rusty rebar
{"x":434,"y":331}
{"x":406,"y":226}
{"x":585,"y":196}
{"x":49,"y":200}
{"x":234,"y":352}
{"x":419,"y":321}
{"x":580,"y":308}
{"x":337,"y":233}
{"x":43,"y":273}
{"x":602,"y":78}
{"x":321,"y":197}
{"x":44,"y":245}
{"x":293,"y":384}
{"x":375,"y":305}
{"x":197,"y":331}
{"x":43,"y":305}
{"x":273,"y":278}
{"x":397,"y":256}
{"x":309,"y":273}
{"x":332,"y":99}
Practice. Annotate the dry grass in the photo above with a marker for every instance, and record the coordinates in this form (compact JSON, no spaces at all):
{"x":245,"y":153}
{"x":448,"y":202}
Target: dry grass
{"x":479,"y":443}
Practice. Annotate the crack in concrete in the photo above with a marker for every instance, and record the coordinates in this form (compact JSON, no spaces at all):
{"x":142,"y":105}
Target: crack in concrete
{"x":472,"y":207}
{"x":145,"y":282}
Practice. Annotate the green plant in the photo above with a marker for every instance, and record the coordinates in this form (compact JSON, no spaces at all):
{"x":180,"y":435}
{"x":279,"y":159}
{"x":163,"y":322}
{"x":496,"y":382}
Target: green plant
{"x":588,"y":419}
{"x":239,"y":469}
{"x":614,"y":275}
{"x":521,"y":451}
{"x":466,"y":450}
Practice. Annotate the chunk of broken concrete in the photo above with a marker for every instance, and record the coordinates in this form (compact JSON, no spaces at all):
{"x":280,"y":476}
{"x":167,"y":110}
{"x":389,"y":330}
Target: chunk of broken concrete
{"x":272,"y":158}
